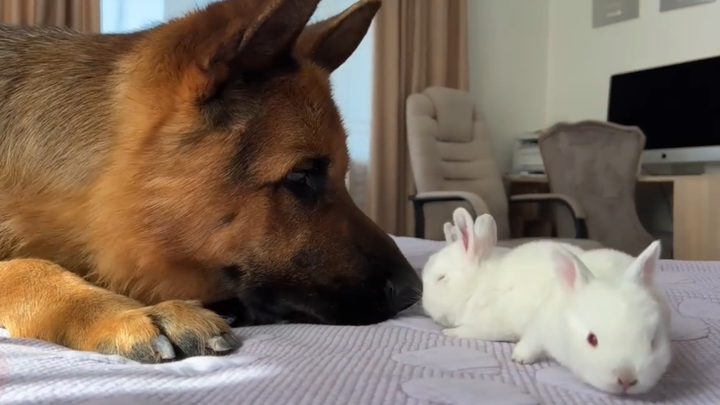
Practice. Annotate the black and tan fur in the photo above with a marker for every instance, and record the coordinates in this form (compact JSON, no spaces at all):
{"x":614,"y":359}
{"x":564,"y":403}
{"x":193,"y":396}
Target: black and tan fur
{"x":145,"y":175}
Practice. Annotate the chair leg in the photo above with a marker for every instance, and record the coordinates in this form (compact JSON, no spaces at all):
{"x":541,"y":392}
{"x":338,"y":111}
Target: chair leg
{"x":581,"y":231}
{"x":419,"y":215}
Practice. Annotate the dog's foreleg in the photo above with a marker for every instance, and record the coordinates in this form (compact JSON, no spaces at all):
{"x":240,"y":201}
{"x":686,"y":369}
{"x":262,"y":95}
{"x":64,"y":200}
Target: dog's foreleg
{"x":41,"y":300}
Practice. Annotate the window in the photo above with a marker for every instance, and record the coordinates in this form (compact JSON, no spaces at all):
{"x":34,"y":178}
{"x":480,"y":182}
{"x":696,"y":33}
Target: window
{"x":352,"y":86}
{"x":352,"y":82}
{"x":118,"y":16}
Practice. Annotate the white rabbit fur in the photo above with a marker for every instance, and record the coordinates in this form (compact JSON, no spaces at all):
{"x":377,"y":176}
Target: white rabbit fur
{"x":455,"y":259}
{"x":451,"y":274}
{"x":549,"y":298}
{"x":482,"y":224}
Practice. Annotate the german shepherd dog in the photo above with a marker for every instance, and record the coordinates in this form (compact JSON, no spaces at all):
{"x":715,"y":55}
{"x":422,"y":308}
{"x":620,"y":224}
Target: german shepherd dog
{"x":148,"y":175}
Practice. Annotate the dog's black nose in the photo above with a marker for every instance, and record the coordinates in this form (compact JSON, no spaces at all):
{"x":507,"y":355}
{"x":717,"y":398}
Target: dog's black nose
{"x":404,"y":290}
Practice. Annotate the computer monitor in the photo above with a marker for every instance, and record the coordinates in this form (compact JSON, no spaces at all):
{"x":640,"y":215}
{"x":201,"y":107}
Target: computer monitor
{"x":677,"y":107}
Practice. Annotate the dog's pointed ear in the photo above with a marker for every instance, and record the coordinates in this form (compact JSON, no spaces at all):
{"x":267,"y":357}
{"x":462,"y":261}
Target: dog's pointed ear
{"x":227,"y":36}
{"x":330,"y":43}
{"x":273,"y":32}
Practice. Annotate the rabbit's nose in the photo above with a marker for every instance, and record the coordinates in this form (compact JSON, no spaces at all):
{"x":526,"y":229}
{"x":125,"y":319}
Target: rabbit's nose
{"x":627,"y":381}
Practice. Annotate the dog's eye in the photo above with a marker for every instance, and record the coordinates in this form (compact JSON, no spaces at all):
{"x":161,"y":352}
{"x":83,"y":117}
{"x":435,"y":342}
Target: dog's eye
{"x":441,"y":278}
{"x":308,"y":181}
{"x":303,"y":185}
{"x":297,"y":177}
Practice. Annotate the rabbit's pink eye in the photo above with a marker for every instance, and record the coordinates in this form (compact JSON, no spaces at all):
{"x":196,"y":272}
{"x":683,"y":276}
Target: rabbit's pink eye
{"x":592,"y":340}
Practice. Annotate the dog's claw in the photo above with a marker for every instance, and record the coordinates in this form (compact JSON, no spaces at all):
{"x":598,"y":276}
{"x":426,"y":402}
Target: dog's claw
{"x":219,"y":344}
{"x":163,"y":346}
{"x":230,"y":319}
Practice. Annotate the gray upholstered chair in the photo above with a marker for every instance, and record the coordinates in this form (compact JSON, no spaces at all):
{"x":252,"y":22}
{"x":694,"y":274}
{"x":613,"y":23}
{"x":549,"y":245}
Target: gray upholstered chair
{"x":597,"y":163}
{"x":453,"y":165}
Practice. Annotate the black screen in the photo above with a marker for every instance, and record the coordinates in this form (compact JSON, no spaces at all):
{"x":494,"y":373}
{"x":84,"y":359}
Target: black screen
{"x":676,"y":106}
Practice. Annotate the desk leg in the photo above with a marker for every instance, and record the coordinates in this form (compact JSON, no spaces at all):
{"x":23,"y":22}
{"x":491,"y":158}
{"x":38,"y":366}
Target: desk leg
{"x":696,"y":218}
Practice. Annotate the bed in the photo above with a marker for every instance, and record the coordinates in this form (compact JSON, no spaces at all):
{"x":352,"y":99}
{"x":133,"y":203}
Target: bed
{"x":403,"y":361}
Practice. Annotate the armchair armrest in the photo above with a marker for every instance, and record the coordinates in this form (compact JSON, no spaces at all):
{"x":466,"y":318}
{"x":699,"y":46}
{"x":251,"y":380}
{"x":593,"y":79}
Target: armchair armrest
{"x":566,"y":200}
{"x":573,"y":204}
{"x":429,"y":197}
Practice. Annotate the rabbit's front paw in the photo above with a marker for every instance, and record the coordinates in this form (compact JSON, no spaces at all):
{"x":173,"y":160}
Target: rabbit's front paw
{"x":526,"y":352}
{"x":462,"y":332}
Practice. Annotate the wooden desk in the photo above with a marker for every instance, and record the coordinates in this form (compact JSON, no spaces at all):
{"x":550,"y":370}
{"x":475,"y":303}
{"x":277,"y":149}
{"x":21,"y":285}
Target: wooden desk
{"x":696,"y":211}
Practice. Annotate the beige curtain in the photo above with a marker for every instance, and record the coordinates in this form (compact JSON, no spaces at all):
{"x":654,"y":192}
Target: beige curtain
{"x":418,"y":43}
{"x":82,"y":15}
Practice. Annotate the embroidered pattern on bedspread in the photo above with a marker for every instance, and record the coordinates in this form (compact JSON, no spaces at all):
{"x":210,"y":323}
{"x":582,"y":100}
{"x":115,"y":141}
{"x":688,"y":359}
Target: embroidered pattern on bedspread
{"x":403,"y":361}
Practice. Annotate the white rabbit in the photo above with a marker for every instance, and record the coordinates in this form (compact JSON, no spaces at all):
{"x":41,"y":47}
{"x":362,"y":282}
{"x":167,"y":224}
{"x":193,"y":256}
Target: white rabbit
{"x":605,"y":321}
{"x":610,"y":325}
{"x":448,"y":274}
{"x":500,"y":298}
{"x":458,"y":294}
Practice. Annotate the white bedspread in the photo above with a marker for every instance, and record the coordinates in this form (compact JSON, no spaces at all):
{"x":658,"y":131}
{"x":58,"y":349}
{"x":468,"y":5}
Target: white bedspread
{"x":403,"y":361}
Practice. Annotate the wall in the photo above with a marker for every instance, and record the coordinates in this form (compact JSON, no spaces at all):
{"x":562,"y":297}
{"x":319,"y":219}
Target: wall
{"x":582,"y":59}
{"x":535,"y":62}
{"x":508,"y":67}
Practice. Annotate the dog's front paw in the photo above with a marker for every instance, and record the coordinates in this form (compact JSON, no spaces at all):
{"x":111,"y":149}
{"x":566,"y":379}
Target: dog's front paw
{"x":167,"y":331}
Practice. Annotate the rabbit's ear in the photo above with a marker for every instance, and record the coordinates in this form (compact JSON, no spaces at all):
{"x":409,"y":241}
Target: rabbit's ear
{"x":450,"y":232}
{"x":571,"y":271}
{"x":643,"y":268}
{"x":465,"y":228}
{"x":486,"y":229}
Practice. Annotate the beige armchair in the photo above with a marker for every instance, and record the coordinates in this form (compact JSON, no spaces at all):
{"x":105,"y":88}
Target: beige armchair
{"x":453,"y":165}
{"x":597,"y":163}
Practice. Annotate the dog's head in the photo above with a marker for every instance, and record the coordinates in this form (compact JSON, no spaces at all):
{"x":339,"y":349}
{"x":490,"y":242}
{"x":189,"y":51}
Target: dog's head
{"x":242,"y":165}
